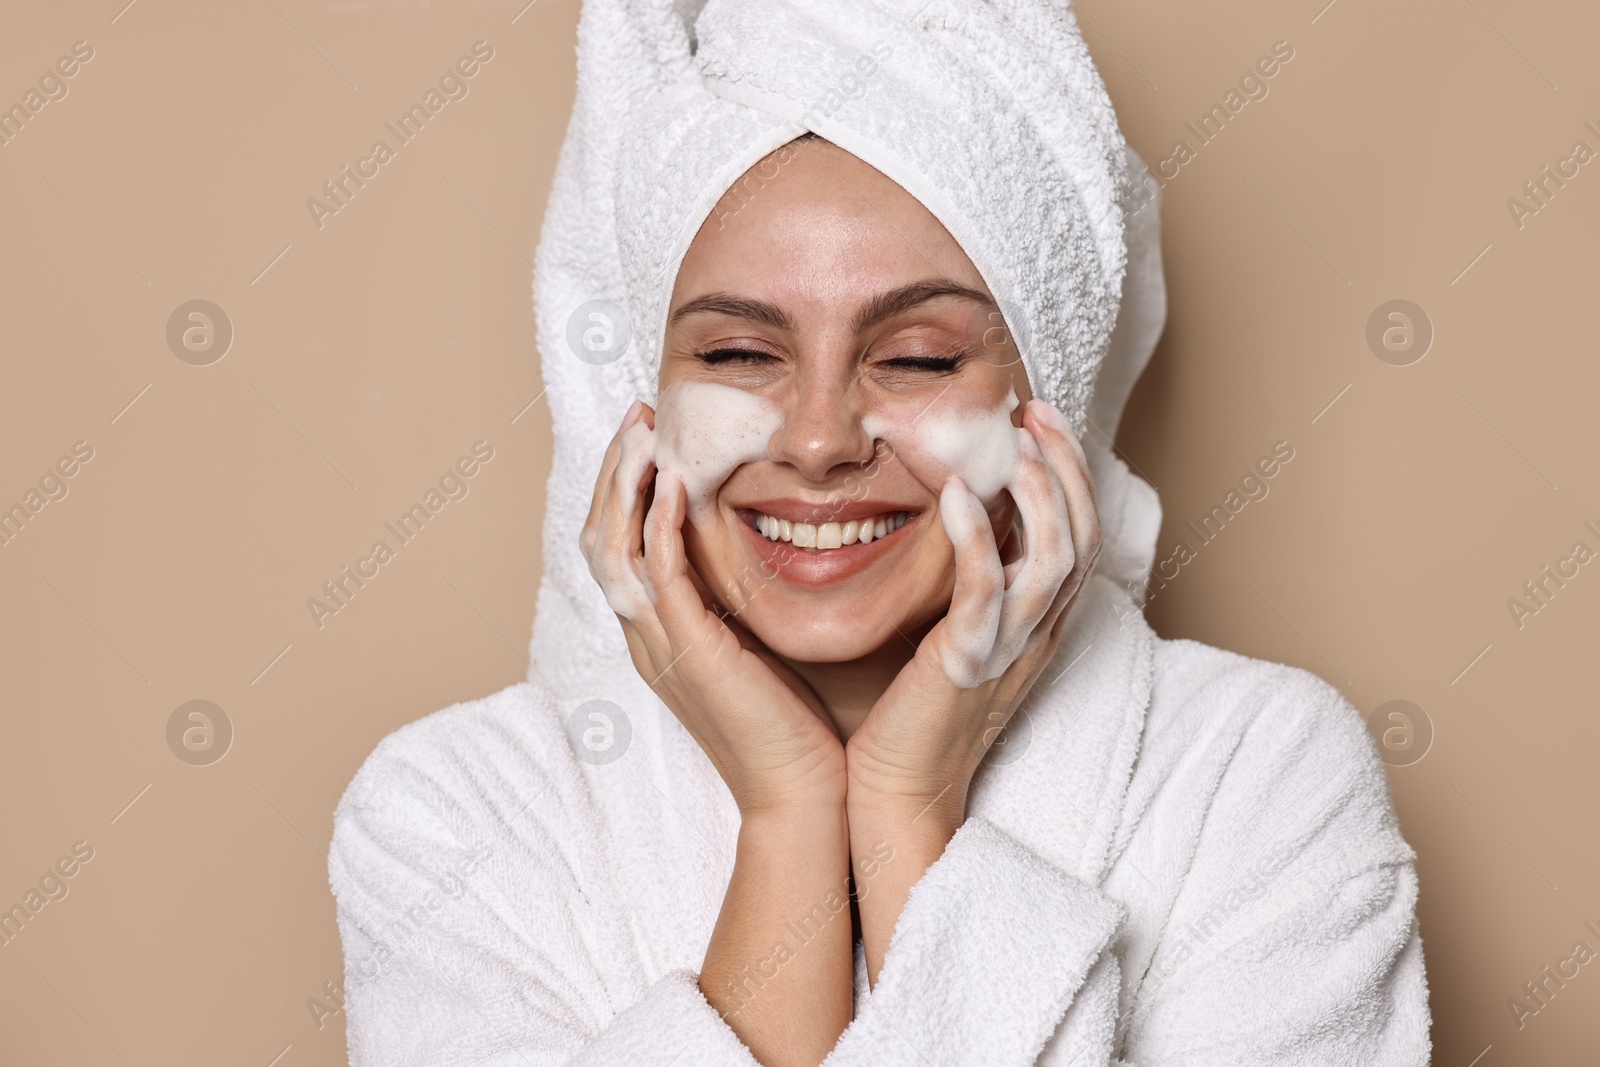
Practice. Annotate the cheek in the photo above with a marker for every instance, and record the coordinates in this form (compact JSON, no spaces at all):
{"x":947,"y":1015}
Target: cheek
{"x":954,"y":436}
{"x":706,"y":544}
{"x":727,"y":568}
{"x":924,"y":588}
{"x":706,"y":431}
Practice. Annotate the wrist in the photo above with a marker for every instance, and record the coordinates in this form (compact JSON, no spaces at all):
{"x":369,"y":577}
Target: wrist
{"x":808,"y":813}
{"x":915,"y":813}
{"x":896,"y":781}
{"x":889,"y":795}
{"x":797,"y":793}
{"x":896,"y":835}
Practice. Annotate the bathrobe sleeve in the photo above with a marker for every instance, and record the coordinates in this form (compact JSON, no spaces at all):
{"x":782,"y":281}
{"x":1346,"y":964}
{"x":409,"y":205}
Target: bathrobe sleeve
{"x":990,"y":949}
{"x":482,"y":941}
{"x":1291,"y":937}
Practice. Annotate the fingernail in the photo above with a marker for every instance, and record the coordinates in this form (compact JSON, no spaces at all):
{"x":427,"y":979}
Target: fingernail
{"x":633,"y":414}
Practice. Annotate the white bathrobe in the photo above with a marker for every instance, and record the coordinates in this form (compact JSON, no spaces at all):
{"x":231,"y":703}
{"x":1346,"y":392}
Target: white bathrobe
{"x":1177,"y":856}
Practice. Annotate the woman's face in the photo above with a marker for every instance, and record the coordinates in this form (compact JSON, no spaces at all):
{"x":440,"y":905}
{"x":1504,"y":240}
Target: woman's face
{"x":857,"y":322}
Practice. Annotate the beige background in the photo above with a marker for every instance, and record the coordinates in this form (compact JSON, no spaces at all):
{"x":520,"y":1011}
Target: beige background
{"x":370,"y":353}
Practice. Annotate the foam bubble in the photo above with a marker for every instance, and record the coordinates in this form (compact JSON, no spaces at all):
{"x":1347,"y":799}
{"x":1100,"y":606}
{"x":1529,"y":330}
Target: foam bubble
{"x":979,"y":446}
{"x":706,"y":431}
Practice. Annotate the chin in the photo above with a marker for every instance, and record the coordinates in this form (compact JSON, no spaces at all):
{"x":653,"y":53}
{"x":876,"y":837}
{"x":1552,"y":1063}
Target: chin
{"x":815,"y":635}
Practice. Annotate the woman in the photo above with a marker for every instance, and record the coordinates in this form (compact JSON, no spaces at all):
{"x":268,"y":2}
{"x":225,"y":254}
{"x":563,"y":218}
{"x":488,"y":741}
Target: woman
{"x":843,"y":738}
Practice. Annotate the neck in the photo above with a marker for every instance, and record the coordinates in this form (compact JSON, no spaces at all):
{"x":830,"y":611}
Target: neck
{"x":849,"y":690}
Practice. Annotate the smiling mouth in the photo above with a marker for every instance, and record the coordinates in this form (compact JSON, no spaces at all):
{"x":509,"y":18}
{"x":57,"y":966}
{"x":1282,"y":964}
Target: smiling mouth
{"x":827,"y":536}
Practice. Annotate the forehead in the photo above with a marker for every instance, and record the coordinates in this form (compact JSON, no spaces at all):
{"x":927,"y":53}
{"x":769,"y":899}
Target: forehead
{"x":813,"y":224}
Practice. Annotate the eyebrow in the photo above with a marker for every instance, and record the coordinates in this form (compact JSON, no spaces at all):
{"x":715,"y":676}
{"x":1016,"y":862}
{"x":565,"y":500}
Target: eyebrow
{"x":882,"y":306}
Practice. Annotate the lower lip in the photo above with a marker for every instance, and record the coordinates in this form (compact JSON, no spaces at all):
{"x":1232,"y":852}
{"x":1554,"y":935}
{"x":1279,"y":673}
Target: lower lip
{"x":804,"y":567}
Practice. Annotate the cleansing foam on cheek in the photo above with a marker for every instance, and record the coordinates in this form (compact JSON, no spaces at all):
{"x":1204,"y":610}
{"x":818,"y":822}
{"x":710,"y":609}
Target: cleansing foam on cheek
{"x":980,"y":446}
{"x":706,"y":431}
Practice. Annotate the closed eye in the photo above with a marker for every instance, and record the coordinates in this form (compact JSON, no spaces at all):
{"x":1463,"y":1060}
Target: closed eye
{"x":928,"y":363}
{"x":939,"y":361}
{"x":934,"y":364}
{"x":732,"y":355}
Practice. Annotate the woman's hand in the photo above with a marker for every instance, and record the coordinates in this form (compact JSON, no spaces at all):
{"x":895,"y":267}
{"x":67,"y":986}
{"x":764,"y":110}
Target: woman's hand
{"x":761,"y":726}
{"x":765,"y":732}
{"x":912,"y":759}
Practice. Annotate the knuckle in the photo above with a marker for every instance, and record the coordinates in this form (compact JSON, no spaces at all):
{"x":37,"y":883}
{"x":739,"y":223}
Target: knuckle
{"x":986,"y":586}
{"x":1093,"y":542}
{"x":1059,"y":541}
{"x":963,"y":663}
{"x":1055,"y":549}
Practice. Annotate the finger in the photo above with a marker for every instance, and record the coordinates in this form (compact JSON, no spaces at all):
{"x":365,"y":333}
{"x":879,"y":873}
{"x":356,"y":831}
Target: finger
{"x":622,"y":511}
{"x":672,"y":594}
{"x":966,"y":634}
{"x":1048,"y":551}
{"x":616,"y":551}
{"x":608,"y":465}
{"x":1055,"y":436}
{"x":1066,"y":457}
{"x":607,"y":469}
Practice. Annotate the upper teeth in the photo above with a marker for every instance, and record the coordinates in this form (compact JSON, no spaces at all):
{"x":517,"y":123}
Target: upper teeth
{"x":828,"y":534}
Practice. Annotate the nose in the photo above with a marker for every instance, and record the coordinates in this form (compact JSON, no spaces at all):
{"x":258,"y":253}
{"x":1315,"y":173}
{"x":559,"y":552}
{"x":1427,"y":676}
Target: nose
{"x":821,"y":429}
